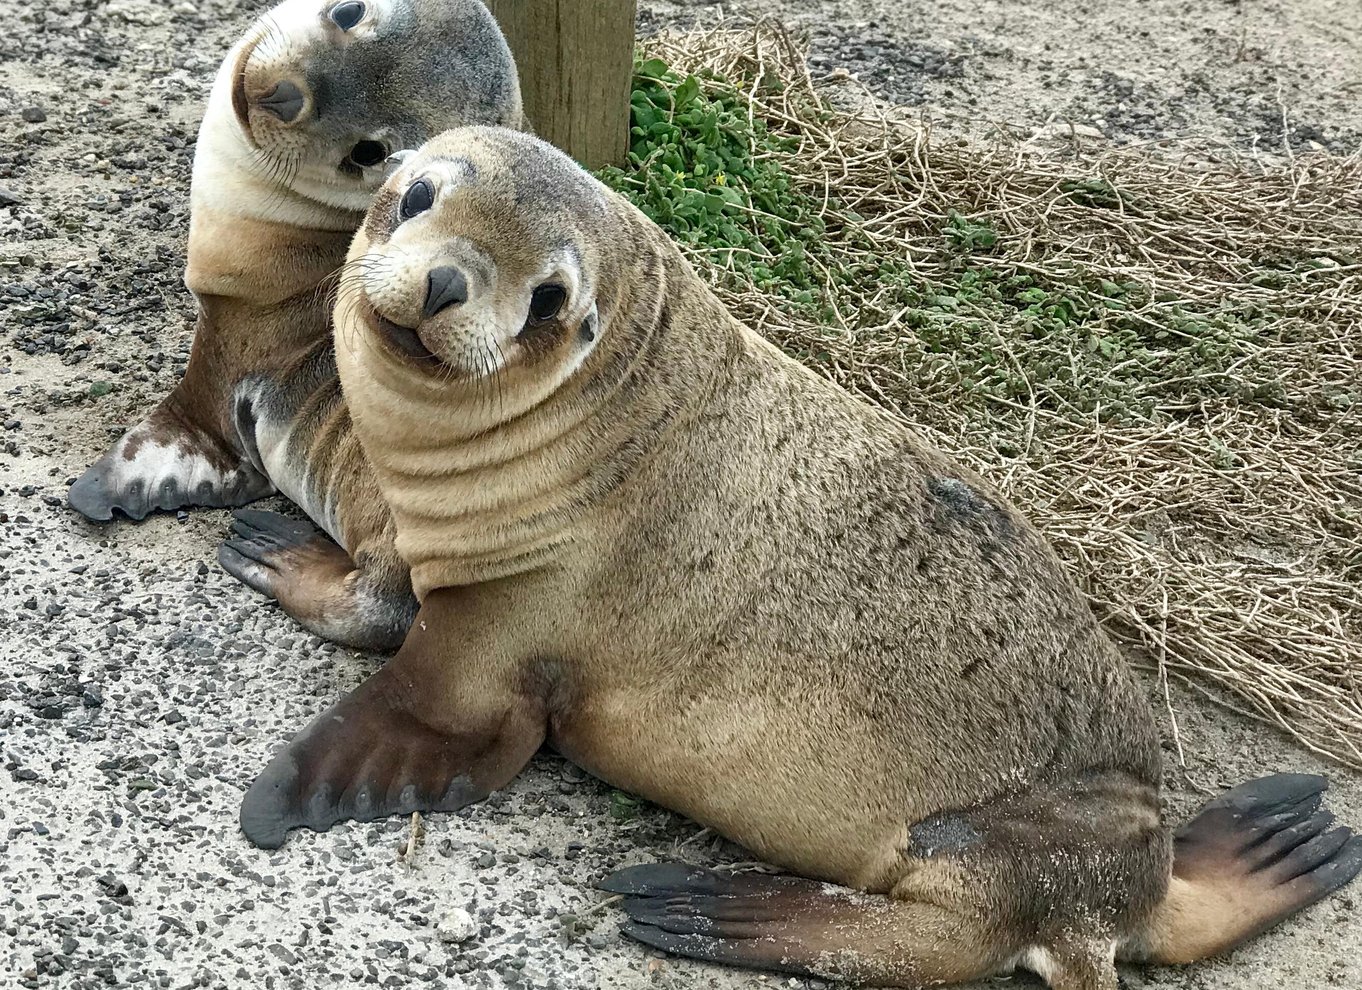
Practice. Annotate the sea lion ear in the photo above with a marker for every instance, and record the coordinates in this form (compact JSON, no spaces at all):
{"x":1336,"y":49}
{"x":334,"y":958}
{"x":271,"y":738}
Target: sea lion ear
{"x":590,"y":327}
{"x":395,"y":161}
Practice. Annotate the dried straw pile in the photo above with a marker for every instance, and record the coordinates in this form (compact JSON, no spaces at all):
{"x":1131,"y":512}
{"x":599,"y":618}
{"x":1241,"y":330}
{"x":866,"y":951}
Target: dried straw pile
{"x":1220,"y":527}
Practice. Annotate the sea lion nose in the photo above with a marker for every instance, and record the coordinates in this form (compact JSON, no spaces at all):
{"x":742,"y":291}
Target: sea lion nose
{"x":445,"y":287}
{"x":285,"y":101}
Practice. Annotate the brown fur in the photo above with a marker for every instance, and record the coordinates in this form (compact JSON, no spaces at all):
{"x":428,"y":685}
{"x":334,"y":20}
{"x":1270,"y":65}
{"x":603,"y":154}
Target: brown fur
{"x":275,"y":203}
{"x":263,"y":293}
{"x":715,"y":579}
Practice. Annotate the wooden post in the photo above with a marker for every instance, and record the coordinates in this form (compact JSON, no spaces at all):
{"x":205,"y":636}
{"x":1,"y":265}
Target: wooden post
{"x":576,"y":61}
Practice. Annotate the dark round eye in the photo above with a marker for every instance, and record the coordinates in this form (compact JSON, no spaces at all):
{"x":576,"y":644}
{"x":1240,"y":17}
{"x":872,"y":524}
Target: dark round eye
{"x":419,"y":197}
{"x":347,"y":15}
{"x":366,"y":154}
{"x":546,"y":301}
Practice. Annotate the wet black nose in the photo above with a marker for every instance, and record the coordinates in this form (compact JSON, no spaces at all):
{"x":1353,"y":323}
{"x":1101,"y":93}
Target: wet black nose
{"x":444,"y":287}
{"x":285,"y":101}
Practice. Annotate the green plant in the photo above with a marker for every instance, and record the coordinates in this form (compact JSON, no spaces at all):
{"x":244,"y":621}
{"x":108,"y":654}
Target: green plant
{"x":1097,"y":193}
{"x":624,"y":807}
{"x":719,"y":181}
{"x":712,"y":177}
{"x":969,"y":234}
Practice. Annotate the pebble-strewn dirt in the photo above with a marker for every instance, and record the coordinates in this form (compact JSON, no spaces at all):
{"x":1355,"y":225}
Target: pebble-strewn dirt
{"x":141,"y":689}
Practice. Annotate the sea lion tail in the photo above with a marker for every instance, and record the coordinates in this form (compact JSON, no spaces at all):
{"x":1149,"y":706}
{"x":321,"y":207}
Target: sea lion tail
{"x":1250,"y":858}
{"x":793,"y":925}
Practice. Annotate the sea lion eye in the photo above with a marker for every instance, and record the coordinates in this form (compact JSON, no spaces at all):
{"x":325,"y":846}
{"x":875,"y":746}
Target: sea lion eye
{"x":347,"y":15}
{"x":419,"y":197}
{"x":546,"y":301}
{"x":366,"y":154}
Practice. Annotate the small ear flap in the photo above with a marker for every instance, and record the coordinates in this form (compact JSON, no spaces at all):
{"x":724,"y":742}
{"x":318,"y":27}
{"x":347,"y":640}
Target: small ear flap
{"x":590,"y":325}
{"x":395,"y":161}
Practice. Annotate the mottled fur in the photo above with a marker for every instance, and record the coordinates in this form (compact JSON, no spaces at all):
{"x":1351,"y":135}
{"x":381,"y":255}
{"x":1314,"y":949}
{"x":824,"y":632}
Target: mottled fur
{"x":715,"y":579}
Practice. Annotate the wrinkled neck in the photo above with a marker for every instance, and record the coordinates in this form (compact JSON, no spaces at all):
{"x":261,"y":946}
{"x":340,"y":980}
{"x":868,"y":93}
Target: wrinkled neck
{"x":482,"y":488}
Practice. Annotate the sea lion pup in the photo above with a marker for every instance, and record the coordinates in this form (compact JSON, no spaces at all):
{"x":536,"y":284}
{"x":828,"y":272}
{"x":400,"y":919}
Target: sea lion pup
{"x":304,"y":112}
{"x":642,"y":534}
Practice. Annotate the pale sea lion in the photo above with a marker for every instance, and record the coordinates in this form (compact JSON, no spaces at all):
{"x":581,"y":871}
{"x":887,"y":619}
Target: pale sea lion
{"x":641,"y":533}
{"x":304,"y":111}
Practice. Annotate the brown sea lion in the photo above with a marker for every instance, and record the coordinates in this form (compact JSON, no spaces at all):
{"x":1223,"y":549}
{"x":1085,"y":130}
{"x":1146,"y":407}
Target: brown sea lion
{"x":642,"y":534}
{"x":305,"y":110}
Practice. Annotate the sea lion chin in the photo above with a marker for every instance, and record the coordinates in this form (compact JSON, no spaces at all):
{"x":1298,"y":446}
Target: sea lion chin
{"x":293,"y":144}
{"x":717,"y":580}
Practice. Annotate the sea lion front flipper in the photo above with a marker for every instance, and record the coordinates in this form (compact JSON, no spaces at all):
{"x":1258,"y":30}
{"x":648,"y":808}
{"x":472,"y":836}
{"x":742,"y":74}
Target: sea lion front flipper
{"x":445,"y":722}
{"x":165,"y":462}
{"x":316,"y":583}
{"x":1250,"y":858}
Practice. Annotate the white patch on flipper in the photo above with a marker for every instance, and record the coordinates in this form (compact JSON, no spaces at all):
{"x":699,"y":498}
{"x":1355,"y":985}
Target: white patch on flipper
{"x":154,"y":463}
{"x":1039,"y":961}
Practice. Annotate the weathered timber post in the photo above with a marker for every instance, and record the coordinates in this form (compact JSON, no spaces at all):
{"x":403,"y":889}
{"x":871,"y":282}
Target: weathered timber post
{"x":576,"y":62}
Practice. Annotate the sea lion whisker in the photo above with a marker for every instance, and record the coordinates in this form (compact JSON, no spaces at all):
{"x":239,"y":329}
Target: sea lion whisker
{"x":275,"y":40}
{"x":499,"y":378}
{"x":347,"y":321}
{"x":479,"y":362}
{"x":275,"y":169}
{"x":491,"y":380}
{"x":337,"y":275}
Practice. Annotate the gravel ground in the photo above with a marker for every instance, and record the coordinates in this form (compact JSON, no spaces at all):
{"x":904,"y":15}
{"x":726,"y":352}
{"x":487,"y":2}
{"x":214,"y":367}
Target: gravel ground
{"x":141,"y":690}
{"x":1241,"y":72}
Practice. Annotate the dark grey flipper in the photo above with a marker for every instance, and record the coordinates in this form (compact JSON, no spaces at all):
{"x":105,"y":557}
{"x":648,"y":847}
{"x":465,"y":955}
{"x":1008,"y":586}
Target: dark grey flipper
{"x":1274,"y":832}
{"x":755,"y":920}
{"x":316,"y":582}
{"x":434,"y":729}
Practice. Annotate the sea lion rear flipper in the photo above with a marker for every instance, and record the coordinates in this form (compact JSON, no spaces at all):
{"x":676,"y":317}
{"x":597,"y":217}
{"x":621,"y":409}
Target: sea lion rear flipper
{"x":440,"y":726}
{"x":1250,"y":858}
{"x":315,"y":581}
{"x":789,"y":924}
{"x":165,"y":463}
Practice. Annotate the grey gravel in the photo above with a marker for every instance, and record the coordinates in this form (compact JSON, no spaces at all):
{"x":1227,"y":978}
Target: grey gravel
{"x":141,"y":689}
{"x":1259,"y":75}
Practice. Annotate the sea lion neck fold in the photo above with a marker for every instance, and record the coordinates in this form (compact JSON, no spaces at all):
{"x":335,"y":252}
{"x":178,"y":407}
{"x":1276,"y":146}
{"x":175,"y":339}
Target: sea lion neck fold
{"x":486,"y":477}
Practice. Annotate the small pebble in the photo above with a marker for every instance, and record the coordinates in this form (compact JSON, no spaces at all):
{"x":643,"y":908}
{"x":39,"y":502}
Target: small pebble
{"x":457,"y":925}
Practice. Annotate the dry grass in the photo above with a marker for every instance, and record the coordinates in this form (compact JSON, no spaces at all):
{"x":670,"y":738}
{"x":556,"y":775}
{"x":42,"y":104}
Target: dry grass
{"x":1219,"y":526}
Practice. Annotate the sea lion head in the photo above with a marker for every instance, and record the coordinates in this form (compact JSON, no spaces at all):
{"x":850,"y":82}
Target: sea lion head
{"x":324,"y":90}
{"x":490,"y":254}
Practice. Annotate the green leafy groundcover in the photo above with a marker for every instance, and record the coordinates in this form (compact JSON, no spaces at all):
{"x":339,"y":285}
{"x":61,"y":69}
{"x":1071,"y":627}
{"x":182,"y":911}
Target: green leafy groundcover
{"x":712,"y":179}
{"x":711,"y":176}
